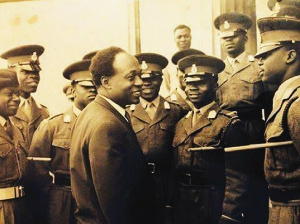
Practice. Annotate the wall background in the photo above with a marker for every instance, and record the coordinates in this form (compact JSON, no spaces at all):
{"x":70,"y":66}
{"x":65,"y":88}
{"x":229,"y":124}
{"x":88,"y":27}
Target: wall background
{"x":68,"y":29}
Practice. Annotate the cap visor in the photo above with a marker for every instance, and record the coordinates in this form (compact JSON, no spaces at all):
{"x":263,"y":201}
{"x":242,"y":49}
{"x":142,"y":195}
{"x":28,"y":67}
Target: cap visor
{"x":85,"y":83}
{"x":265,"y":49}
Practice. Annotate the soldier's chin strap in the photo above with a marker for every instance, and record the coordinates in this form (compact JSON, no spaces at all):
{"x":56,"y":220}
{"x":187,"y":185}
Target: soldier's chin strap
{"x":243,"y":147}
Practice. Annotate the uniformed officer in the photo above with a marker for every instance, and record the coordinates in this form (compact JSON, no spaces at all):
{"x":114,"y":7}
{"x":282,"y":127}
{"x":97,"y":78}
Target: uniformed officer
{"x":178,"y":95}
{"x":67,"y":89}
{"x":25,"y":61}
{"x":241,"y":89}
{"x":200,"y":175}
{"x":153,"y":121}
{"x":279,"y":55}
{"x":48,"y":162}
{"x":13,"y":153}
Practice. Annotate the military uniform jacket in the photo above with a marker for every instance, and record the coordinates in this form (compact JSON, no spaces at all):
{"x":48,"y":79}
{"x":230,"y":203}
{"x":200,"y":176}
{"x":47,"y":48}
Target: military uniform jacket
{"x":28,"y":127}
{"x":175,"y":97}
{"x":155,"y":136}
{"x":13,"y":155}
{"x":282,"y":164}
{"x":109,"y":176}
{"x":217,"y":128}
{"x":242,"y":89}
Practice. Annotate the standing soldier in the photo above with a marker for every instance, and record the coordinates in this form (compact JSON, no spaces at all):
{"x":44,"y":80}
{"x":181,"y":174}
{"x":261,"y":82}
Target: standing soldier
{"x":25,"y":61}
{"x":13,"y":153}
{"x":280,"y":62}
{"x":200,"y":176}
{"x":49,"y":151}
{"x":153,"y":121}
{"x":241,"y":89}
{"x":178,"y":95}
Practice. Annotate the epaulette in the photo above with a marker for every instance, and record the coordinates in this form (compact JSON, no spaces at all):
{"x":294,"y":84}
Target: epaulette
{"x":173,"y":97}
{"x":212,"y":114}
{"x":167,"y":105}
{"x":231,"y":114}
{"x":251,"y":58}
{"x":132,"y":107}
{"x":67,"y":118}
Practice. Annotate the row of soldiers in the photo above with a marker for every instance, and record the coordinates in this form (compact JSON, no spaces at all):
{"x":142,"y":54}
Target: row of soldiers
{"x":183,"y":141}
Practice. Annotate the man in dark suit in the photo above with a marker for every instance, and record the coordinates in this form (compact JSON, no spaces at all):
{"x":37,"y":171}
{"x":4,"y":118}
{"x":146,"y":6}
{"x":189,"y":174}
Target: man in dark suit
{"x":109,"y":176}
{"x":153,"y":121}
{"x":241,"y":89}
{"x":13,"y":153}
{"x":25,"y":61}
{"x":50,"y":149}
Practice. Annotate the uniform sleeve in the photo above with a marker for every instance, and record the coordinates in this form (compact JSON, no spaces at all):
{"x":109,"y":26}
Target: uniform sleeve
{"x":293,"y":120}
{"x":237,"y":179}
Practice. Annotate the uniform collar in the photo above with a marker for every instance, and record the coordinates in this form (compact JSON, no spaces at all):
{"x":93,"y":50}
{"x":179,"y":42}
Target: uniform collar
{"x":204,"y":108}
{"x":114,"y":105}
{"x":144,"y":103}
{"x":22,"y":100}
{"x":76,"y":111}
{"x":238,"y":58}
{"x":283,"y":87}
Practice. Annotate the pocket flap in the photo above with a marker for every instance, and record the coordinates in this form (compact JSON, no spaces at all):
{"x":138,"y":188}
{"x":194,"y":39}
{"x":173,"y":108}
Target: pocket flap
{"x":137,"y":127}
{"x":167,"y":126}
{"x":61,"y":143}
{"x":5,"y":148}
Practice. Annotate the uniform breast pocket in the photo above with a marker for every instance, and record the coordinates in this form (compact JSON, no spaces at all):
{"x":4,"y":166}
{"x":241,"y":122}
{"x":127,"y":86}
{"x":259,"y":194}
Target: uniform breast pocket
{"x":60,"y":153}
{"x":8,"y":160}
{"x":167,"y":127}
{"x":251,"y":86}
{"x":138,"y":127}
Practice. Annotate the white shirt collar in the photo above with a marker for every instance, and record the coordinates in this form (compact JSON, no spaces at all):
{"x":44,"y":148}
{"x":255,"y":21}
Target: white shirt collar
{"x":76,"y":111}
{"x":238,"y":58}
{"x":204,"y":108}
{"x":144,"y":103}
{"x":120,"y":109}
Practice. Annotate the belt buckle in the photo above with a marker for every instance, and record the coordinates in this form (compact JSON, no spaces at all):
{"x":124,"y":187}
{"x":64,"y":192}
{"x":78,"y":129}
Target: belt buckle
{"x":152,"y":165}
{"x":19,"y":191}
{"x":189,"y":178}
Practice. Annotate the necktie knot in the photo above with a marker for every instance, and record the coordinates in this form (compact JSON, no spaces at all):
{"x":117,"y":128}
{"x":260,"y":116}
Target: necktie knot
{"x":150,"y":109}
{"x":196,"y":115}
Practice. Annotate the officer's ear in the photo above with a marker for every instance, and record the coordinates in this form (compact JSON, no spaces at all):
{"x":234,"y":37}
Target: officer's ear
{"x":105,"y":82}
{"x":291,"y":56}
{"x":245,"y":38}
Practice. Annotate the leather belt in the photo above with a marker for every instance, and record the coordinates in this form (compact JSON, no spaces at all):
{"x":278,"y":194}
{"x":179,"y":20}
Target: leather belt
{"x":279,"y":195}
{"x":11,"y":192}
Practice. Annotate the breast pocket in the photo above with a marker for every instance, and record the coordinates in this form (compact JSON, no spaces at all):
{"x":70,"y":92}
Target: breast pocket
{"x":251,"y":86}
{"x":8,"y":161}
{"x":60,"y":153}
{"x":138,"y":127}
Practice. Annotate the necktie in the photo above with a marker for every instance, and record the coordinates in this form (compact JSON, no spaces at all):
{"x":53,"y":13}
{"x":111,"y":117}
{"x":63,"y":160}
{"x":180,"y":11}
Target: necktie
{"x":235,"y":64}
{"x":196,"y":115}
{"x":27,"y":108}
{"x":8,"y":128}
{"x":128,"y":117}
{"x":150,"y":109}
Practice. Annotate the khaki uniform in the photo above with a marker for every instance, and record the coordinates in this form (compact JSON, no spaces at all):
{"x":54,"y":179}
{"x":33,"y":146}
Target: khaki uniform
{"x":200,"y":175}
{"x":282,"y":166}
{"x":155,"y":137}
{"x":28,"y":127}
{"x":242,"y":90}
{"x":52,"y":140}
{"x":13,"y":153}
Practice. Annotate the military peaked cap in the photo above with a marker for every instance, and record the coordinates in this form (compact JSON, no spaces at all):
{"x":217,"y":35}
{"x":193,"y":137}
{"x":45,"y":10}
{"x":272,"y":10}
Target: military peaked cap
{"x":183,"y":53}
{"x":26,"y":56}
{"x":199,"y":67}
{"x":90,"y":55}
{"x":232,"y":23}
{"x":275,"y":30}
{"x":151,"y":64}
{"x":78,"y":72}
{"x":276,"y":5}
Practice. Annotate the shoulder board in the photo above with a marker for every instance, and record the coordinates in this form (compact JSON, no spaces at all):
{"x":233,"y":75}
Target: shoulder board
{"x":54,"y":116}
{"x":132,"y":107}
{"x":231,"y":114}
{"x":173,"y":97}
{"x":251,"y":58}
{"x":167,"y":105}
{"x":67,"y":118}
{"x":212,"y":114}
{"x":189,"y":114}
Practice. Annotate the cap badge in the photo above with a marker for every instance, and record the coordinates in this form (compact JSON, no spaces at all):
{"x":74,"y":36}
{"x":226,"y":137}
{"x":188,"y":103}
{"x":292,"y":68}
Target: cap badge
{"x":194,"y":68}
{"x":34,"y":57}
{"x":144,"y":65}
{"x":226,"y":25}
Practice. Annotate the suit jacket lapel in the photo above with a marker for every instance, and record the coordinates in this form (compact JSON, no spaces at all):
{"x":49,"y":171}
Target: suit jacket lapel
{"x":21,"y":115}
{"x":141,"y":114}
{"x":228,"y":68}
